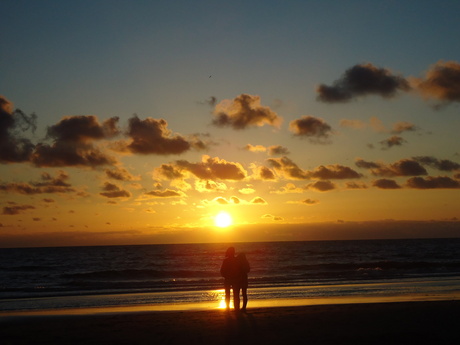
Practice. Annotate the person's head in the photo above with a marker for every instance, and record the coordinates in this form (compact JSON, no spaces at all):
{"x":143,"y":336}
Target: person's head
{"x":230,"y":252}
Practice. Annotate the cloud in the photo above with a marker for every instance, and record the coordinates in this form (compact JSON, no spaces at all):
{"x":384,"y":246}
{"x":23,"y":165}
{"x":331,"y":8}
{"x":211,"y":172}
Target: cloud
{"x":272,"y":217}
{"x":307,"y":201}
{"x":244,"y":111}
{"x":169,"y":172}
{"x":443,"y":164}
{"x":362,"y":80}
{"x":355,"y":185}
{"x":392,"y":141}
{"x":211,"y":101}
{"x":222,"y":201}
{"x":210,"y":186}
{"x":289,"y":188}
{"x":335,"y":171}
{"x":255,"y":148}
{"x":73,"y":139}
{"x":312,"y":128}
{"x":13,"y":147}
{"x":322,"y":186}
{"x":431,"y":182}
{"x":403,"y":126}
{"x":403,"y":167}
{"x":258,"y":201}
{"x":168,"y":193}
{"x":113,"y":191}
{"x":263,"y":173}
{"x":121,"y":174}
{"x":277,"y":150}
{"x":16,"y":209}
{"x":247,"y":190}
{"x":441,"y":82}
{"x":271,"y":150}
{"x":385,"y":184}
{"x":151,"y":136}
{"x":374,"y":123}
{"x":289,"y":169}
{"x":47,"y":184}
{"x":209,"y":169}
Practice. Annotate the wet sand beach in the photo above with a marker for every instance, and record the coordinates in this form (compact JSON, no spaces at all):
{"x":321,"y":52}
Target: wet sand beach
{"x":372,"y":323}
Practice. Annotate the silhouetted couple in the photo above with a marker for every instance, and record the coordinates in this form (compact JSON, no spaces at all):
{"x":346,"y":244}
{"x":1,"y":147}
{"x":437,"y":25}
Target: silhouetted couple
{"x":235,"y":271}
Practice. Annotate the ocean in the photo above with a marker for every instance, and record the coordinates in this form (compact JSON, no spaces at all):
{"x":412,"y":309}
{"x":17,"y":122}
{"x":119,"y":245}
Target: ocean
{"x":107,"y":276}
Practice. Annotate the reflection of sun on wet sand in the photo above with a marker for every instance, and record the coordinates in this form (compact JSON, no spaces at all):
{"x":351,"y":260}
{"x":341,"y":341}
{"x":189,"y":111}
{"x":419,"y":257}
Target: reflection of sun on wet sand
{"x":376,"y":323}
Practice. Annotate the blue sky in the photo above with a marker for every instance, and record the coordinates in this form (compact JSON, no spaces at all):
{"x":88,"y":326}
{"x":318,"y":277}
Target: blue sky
{"x":168,"y":59}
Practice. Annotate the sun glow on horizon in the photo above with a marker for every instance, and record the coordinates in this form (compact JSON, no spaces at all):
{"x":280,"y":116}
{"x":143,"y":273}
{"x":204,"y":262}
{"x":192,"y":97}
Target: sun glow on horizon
{"x":223,"y":219}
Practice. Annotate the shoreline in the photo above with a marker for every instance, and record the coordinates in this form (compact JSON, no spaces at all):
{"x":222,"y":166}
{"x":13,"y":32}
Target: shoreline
{"x":380,"y":292}
{"x":427,"y":322}
{"x":219,"y":305}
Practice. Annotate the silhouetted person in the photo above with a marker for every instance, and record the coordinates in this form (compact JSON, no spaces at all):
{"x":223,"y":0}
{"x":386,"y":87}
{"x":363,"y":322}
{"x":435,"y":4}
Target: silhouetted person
{"x":244,"y":269}
{"x":231,"y":272}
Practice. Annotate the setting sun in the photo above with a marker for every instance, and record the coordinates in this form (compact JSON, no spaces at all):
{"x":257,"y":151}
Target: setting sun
{"x":223,"y":219}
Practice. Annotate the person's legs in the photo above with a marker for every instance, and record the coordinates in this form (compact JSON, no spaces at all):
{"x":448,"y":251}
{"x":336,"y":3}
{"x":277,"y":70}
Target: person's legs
{"x":244,"y":292}
{"x":236,"y":298}
{"x":227,"y":296}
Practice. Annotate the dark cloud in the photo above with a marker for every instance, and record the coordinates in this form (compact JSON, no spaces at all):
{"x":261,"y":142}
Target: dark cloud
{"x":73,"y":143}
{"x":362,"y":80}
{"x":120,"y":174}
{"x":361,"y":163}
{"x":244,"y":111}
{"x":169,"y":172}
{"x":309,"y":202}
{"x":403,"y":167}
{"x":16,"y":209}
{"x":47,"y":184}
{"x":441,"y":82}
{"x":315,"y":129}
{"x":403,"y":126}
{"x":385,"y":184}
{"x":113,"y":191}
{"x":335,"y":171}
{"x":14,"y":148}
{"x":265,"y":173}
{"x":440,"y":164}
{"x":168,"y":193}
{"x":431,"y":182}
{"x":47,"y":200}
{"x":235,"y":200}
{"x":211,"y":168}
{"x":277,"y":150}
{"x":151,"y":136}
{"x":199,"y":144}
{"x":211,"y":101}
{"x":322,"y":186}
{"x":354,"y":185}
{"x":287,"y":168}
{"x":258,"y":201}
{"x":392,"y":141}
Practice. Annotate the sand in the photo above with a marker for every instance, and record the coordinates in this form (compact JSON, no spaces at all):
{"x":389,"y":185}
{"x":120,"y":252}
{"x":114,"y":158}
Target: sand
{"x":373,"y":323}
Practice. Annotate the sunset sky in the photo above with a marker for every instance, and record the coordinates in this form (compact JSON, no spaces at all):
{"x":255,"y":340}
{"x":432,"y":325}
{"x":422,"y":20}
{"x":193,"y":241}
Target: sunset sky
{"x":131,"y":122}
